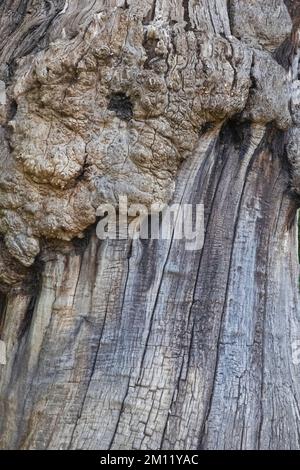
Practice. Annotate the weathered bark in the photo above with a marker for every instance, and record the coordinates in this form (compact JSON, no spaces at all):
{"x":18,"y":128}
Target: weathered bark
{"x":145,"y":345}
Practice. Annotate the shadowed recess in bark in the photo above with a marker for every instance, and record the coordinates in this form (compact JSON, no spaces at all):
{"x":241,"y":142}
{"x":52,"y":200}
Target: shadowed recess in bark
{"x":80,"y":244}
{"x":3,"y":302}
{"x":186,"y":15}
{"x":238,"y":133}
{"x":121,"y":105}
{"x":24,"y":326}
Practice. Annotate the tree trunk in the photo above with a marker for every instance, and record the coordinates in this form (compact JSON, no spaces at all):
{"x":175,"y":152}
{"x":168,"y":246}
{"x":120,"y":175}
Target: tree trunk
{"x":142,"y":344}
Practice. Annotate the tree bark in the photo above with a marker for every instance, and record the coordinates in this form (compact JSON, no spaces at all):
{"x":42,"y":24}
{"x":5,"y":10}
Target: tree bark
{"x":141,"y":344}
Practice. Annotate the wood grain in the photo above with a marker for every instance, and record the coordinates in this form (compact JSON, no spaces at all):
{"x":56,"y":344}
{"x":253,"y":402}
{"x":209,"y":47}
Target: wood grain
{"x":145,"y":345}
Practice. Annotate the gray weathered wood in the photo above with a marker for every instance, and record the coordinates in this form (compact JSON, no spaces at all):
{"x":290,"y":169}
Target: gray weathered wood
{"x":145,"y":345}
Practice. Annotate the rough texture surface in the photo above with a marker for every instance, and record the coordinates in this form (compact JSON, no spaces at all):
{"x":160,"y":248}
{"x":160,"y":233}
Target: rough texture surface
{"x":113,"y":111}
{"x":130,"y":344}
{"x":262,"y":24}
{"x":117,"y":108}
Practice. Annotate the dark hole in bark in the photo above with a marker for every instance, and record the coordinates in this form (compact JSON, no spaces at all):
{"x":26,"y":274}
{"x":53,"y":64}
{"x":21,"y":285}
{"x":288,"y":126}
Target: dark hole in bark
{"x":186,"y":16}
{"x":121,"y":105}
{"x":236,"y":133}
{"x":253,"y":85}
{"x":253,"y":80}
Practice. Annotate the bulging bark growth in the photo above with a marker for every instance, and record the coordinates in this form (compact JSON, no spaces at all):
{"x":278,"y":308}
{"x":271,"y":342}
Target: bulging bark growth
{"x":142,"y":344}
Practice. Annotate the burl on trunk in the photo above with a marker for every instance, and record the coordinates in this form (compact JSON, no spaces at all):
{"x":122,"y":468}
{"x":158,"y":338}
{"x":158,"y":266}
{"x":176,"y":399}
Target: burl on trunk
{"x":142,"y":344}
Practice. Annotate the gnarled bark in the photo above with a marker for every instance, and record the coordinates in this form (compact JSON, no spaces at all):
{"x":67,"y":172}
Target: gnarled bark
{"x":143,"y":344}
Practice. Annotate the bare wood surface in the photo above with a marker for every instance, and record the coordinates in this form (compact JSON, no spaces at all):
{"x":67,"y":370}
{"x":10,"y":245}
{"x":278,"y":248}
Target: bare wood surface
{"x":145,"y":345}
